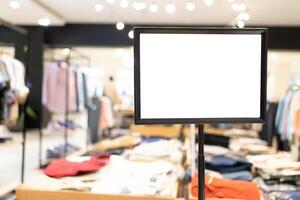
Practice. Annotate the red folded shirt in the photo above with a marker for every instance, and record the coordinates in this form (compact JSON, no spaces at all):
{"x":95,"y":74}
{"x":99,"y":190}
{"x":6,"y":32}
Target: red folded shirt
{"x":62,"y":167}
{"x":223,"y":188}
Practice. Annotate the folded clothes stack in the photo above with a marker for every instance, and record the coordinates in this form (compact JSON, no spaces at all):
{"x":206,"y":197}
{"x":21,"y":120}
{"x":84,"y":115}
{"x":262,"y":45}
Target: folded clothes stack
{"x":225,"y":163}
{"x":274,"y":166}
{"x":144,"y":166}
{"x":249,"y":146}
{"x":60,"y":150}
{"x":269,"y":186}
{"x":279,"y":175}
{"x":228,"y":189}
{"x":123,"y":142}
{"x":238,"y":133}
{"x":294,"y":195}
{"x":248,"y":167}
{"x":230,"y":168}
{"x":156,"y":148}
{"x":138,"y":178}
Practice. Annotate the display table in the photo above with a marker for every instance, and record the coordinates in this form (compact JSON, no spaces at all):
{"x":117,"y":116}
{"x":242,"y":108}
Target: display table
{"x":45,"y":188}
{"x":25,"y":193}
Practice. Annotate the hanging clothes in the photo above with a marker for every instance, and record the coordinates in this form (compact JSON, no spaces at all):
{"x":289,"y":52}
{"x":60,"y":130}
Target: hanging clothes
{"x":13,"y":91}
{"x":269,"y":129}
{"x":15,"y":72}
{"x":106,"y":119}
{"x":4,"y":77}
{"x":86,"y":99}
{"x":80,"y":90}
{"x":288,"y":115}
{"x":54,"y":88}
{"x":93,"y":119}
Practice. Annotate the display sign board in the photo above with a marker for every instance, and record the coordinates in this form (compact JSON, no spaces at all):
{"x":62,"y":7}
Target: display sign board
{"x":192,"y":75}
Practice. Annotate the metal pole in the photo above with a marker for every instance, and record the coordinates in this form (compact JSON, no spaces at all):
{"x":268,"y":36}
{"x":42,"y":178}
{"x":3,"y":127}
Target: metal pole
{"x":41,"y":142}
{"x":67,"y":106}
{"x":23,"y":143}
{"x":24,"y":131}
{"x":201,"y":161}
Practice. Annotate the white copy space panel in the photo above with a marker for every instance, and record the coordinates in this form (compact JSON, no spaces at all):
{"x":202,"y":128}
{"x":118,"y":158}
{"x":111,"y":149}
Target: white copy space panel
{"x":200,"y":75}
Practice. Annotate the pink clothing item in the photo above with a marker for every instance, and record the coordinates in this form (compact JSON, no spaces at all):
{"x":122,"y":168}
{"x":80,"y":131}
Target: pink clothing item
{"x":295,"y":109}
{"x":54,"y":88}
{"x":106,"y":119}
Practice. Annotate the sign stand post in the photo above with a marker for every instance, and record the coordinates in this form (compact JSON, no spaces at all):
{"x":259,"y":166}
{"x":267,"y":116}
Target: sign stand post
{"x":201,"y":163}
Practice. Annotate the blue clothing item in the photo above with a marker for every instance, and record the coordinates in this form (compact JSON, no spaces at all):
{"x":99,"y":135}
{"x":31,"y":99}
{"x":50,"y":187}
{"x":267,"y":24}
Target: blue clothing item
{"x":68,"y":124}
{"x":279,"y":114}
{"x":59,"y":151}
{"x":241,"y":175}
{"x":224,"y":164}
{"x":188,"y":175}
{"x":295,"y":195}
{"x":151,"y":139}
{"x":284,"y":118}
{"x":79,"y":90}
{"x":288,"y":118}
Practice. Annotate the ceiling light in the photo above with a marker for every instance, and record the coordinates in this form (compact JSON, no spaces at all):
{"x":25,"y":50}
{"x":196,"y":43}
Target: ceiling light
{"x":240,"y":24}
{"x":170,"y":8}
{"x":120,"y":26}
{"x":244,"y":16}
{"x":124,"y":3}
{"x":14,"y":4}
{"x":153,"y":8}
{"x":239,"y":7}
{"x":98,"y":7}
{"x":208,"y":2}
{"x":66,"y":51}
{"x":110,"y":1}
{"x":130,"y":34}
{"x":230,"y":1}
{"x":138,"y":6}
{"x":190,"y":6}
{"x":44,"y":21}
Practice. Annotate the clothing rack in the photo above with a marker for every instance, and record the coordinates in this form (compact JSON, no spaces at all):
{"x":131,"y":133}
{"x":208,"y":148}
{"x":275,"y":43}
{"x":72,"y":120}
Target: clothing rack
{"x":68,"y":59}
{"x":23,"y":32}
{"x":286,"y":129}
{"x":69,"y":62}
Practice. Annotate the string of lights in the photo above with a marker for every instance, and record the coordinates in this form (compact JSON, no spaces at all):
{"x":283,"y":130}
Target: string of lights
{"x":168,"y":6}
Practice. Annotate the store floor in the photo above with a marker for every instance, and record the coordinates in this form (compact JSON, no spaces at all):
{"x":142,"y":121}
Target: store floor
{"x":11,"y":154}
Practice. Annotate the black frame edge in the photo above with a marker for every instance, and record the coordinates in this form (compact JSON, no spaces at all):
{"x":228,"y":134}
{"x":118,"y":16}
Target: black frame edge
{"x":203,"y":30}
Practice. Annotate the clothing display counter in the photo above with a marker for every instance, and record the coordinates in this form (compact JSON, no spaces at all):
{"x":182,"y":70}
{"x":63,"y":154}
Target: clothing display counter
{"x":244,"y":169}
{"x":35,"y":192}
{"x":130,"y":166}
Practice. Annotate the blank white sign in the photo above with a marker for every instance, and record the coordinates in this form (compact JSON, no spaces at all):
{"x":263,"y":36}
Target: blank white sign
{"x":200,"y":75}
